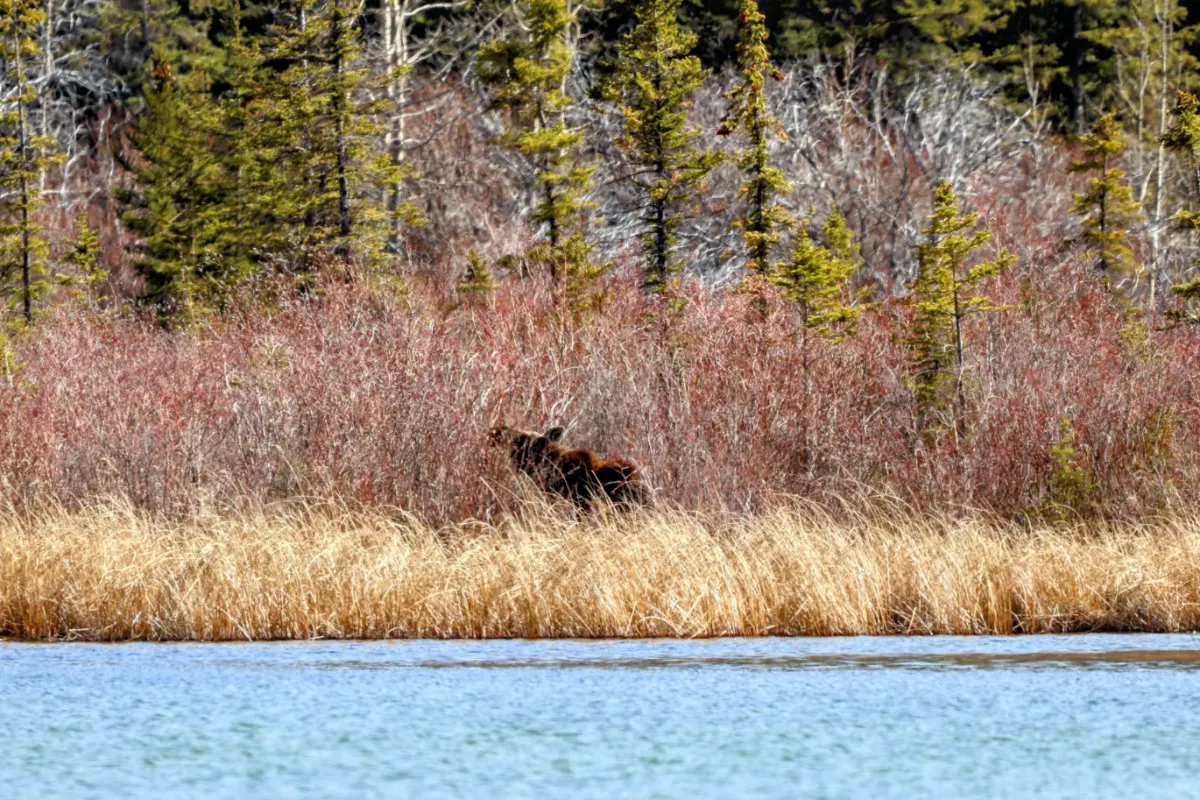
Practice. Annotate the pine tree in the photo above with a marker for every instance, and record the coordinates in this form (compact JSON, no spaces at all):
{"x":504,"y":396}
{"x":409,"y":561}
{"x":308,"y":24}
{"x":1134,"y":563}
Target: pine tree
{"x":1071,"y":491}
{"x":477,"y":280}
{"x":816,"y":279}
{"x":527,"y":73}
{"x":274,"y":162}
{"x":951,"y":28}
{"x":84,"y":256}
{"x":1107,"y":207}
{"x":192,"y":247}
{"x":1183,"y":136}
{"x":654,"y":79}
{"x":24,"y":157}
{"x":946,"y":292}
{"x":765,"y":219}
{"x":138,"y":34}
{"x":312,"y":124}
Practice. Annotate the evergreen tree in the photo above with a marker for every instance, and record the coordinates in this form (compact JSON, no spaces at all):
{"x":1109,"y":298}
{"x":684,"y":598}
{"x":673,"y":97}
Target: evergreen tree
{"x":1150,"y":60}
{"x":193,"y":246}
{"x":1107,"y":207}
{"x":84,"y":256}
{"x":279,"y":165}
{"x":946,"y":292}
{"x":1071,"y":491}
{"x":1183,"y":137}
{"x":654,"y":79}
{"x":311,"y":162}
{"x":527,"y":73}
{"x":816,"y":279}
{"x":1146,"y":39}
{"x":476,"y":281}
{"x":24,"y":158}
{"x":137,"y":34}
{"x":1033,"y":58}
{"x":950,"y":28}
{"x":765,"y":218}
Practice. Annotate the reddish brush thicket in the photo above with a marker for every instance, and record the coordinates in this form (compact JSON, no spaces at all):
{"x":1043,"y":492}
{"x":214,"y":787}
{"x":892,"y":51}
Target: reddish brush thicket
{"x":382,"y":399}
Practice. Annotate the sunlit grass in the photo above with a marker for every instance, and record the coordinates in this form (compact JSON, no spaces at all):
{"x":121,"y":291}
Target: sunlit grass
{"x":111,"y":573}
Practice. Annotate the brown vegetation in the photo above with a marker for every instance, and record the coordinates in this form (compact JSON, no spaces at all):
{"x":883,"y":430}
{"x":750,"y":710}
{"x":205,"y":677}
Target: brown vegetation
{"x":371,"y":398}
{"x":111,"y":573}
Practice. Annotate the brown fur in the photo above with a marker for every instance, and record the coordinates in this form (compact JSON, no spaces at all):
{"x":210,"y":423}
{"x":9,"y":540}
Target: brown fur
{"x":576,"y":475}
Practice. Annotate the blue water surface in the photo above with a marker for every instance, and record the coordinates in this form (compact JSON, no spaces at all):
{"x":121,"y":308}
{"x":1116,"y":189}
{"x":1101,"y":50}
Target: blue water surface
{"x":1038,"y":716}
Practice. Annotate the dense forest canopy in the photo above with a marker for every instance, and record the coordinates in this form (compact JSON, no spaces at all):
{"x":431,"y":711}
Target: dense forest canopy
{"x":317,"y":119}
{"x":171,"y":151}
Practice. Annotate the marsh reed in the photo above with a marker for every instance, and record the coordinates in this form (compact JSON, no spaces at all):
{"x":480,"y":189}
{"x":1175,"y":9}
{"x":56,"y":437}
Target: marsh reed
{"x":111,"y":573}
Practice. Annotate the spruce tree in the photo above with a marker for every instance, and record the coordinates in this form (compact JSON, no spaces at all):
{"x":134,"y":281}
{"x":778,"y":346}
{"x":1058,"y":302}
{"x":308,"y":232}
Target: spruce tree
{"x":84,"y":257}
{"x":947,"y":291}
{"x":765,"y":219}
{"x":1107,"y":207}
{"x":477,"y":281}
{"x":950,"y":28}
{"x":274,"y":161}
{"x":311,"y":164}
{"x":1071,"y":491}
{"x":139,"y":34}
{"x":191,"y":249}
{"x":816,"y":280}
{"x":1145,"y":46}
{"x":654,"y":78}
{"x":527,"y":73}
{"x":1183,"y":137}
{"x":24,"y":157}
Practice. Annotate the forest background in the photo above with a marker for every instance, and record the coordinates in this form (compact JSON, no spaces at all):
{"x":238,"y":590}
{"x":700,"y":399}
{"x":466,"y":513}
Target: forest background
{"x":935,"y":251}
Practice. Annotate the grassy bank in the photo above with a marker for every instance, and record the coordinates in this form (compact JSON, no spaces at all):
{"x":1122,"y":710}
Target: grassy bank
{"x":114,"y":574}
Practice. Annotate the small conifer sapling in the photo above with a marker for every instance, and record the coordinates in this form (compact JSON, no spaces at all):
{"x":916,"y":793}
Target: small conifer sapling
{"x":84,"y":257}
{"x":816,"y":280}
{"x":947,"y":291}
{"x":1108,"y":207}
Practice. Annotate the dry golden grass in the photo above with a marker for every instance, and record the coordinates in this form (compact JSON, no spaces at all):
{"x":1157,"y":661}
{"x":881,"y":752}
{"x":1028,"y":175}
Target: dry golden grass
{"x":112,"y":574}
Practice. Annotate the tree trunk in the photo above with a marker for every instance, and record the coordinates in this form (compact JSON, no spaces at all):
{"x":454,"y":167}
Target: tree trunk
{"x":659,"y":278}
{"x":763,"y":248}
{"x":23,"y":165}
{"x":807,"y":401}
{"x":395,"y":39}
{"x":1165,"y":32}
{"x":340,"y":103}
{"x":960,"y":397}
{"x":48,"y":70}
{"x":1076,"y":67}
{"x":145,"y":8}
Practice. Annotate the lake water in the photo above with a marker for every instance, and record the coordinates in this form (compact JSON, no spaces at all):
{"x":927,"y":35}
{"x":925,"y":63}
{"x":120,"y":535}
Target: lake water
{"x":1045,"y":716}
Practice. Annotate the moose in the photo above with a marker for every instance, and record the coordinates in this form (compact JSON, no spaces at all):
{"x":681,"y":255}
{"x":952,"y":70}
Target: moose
{"x":576,"y":475}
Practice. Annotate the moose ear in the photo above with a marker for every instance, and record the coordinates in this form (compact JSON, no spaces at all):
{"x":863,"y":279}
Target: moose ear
{"x":554,"y":434}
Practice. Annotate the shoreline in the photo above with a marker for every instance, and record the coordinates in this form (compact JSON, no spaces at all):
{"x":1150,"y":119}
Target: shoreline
{"x":111,"y":574}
